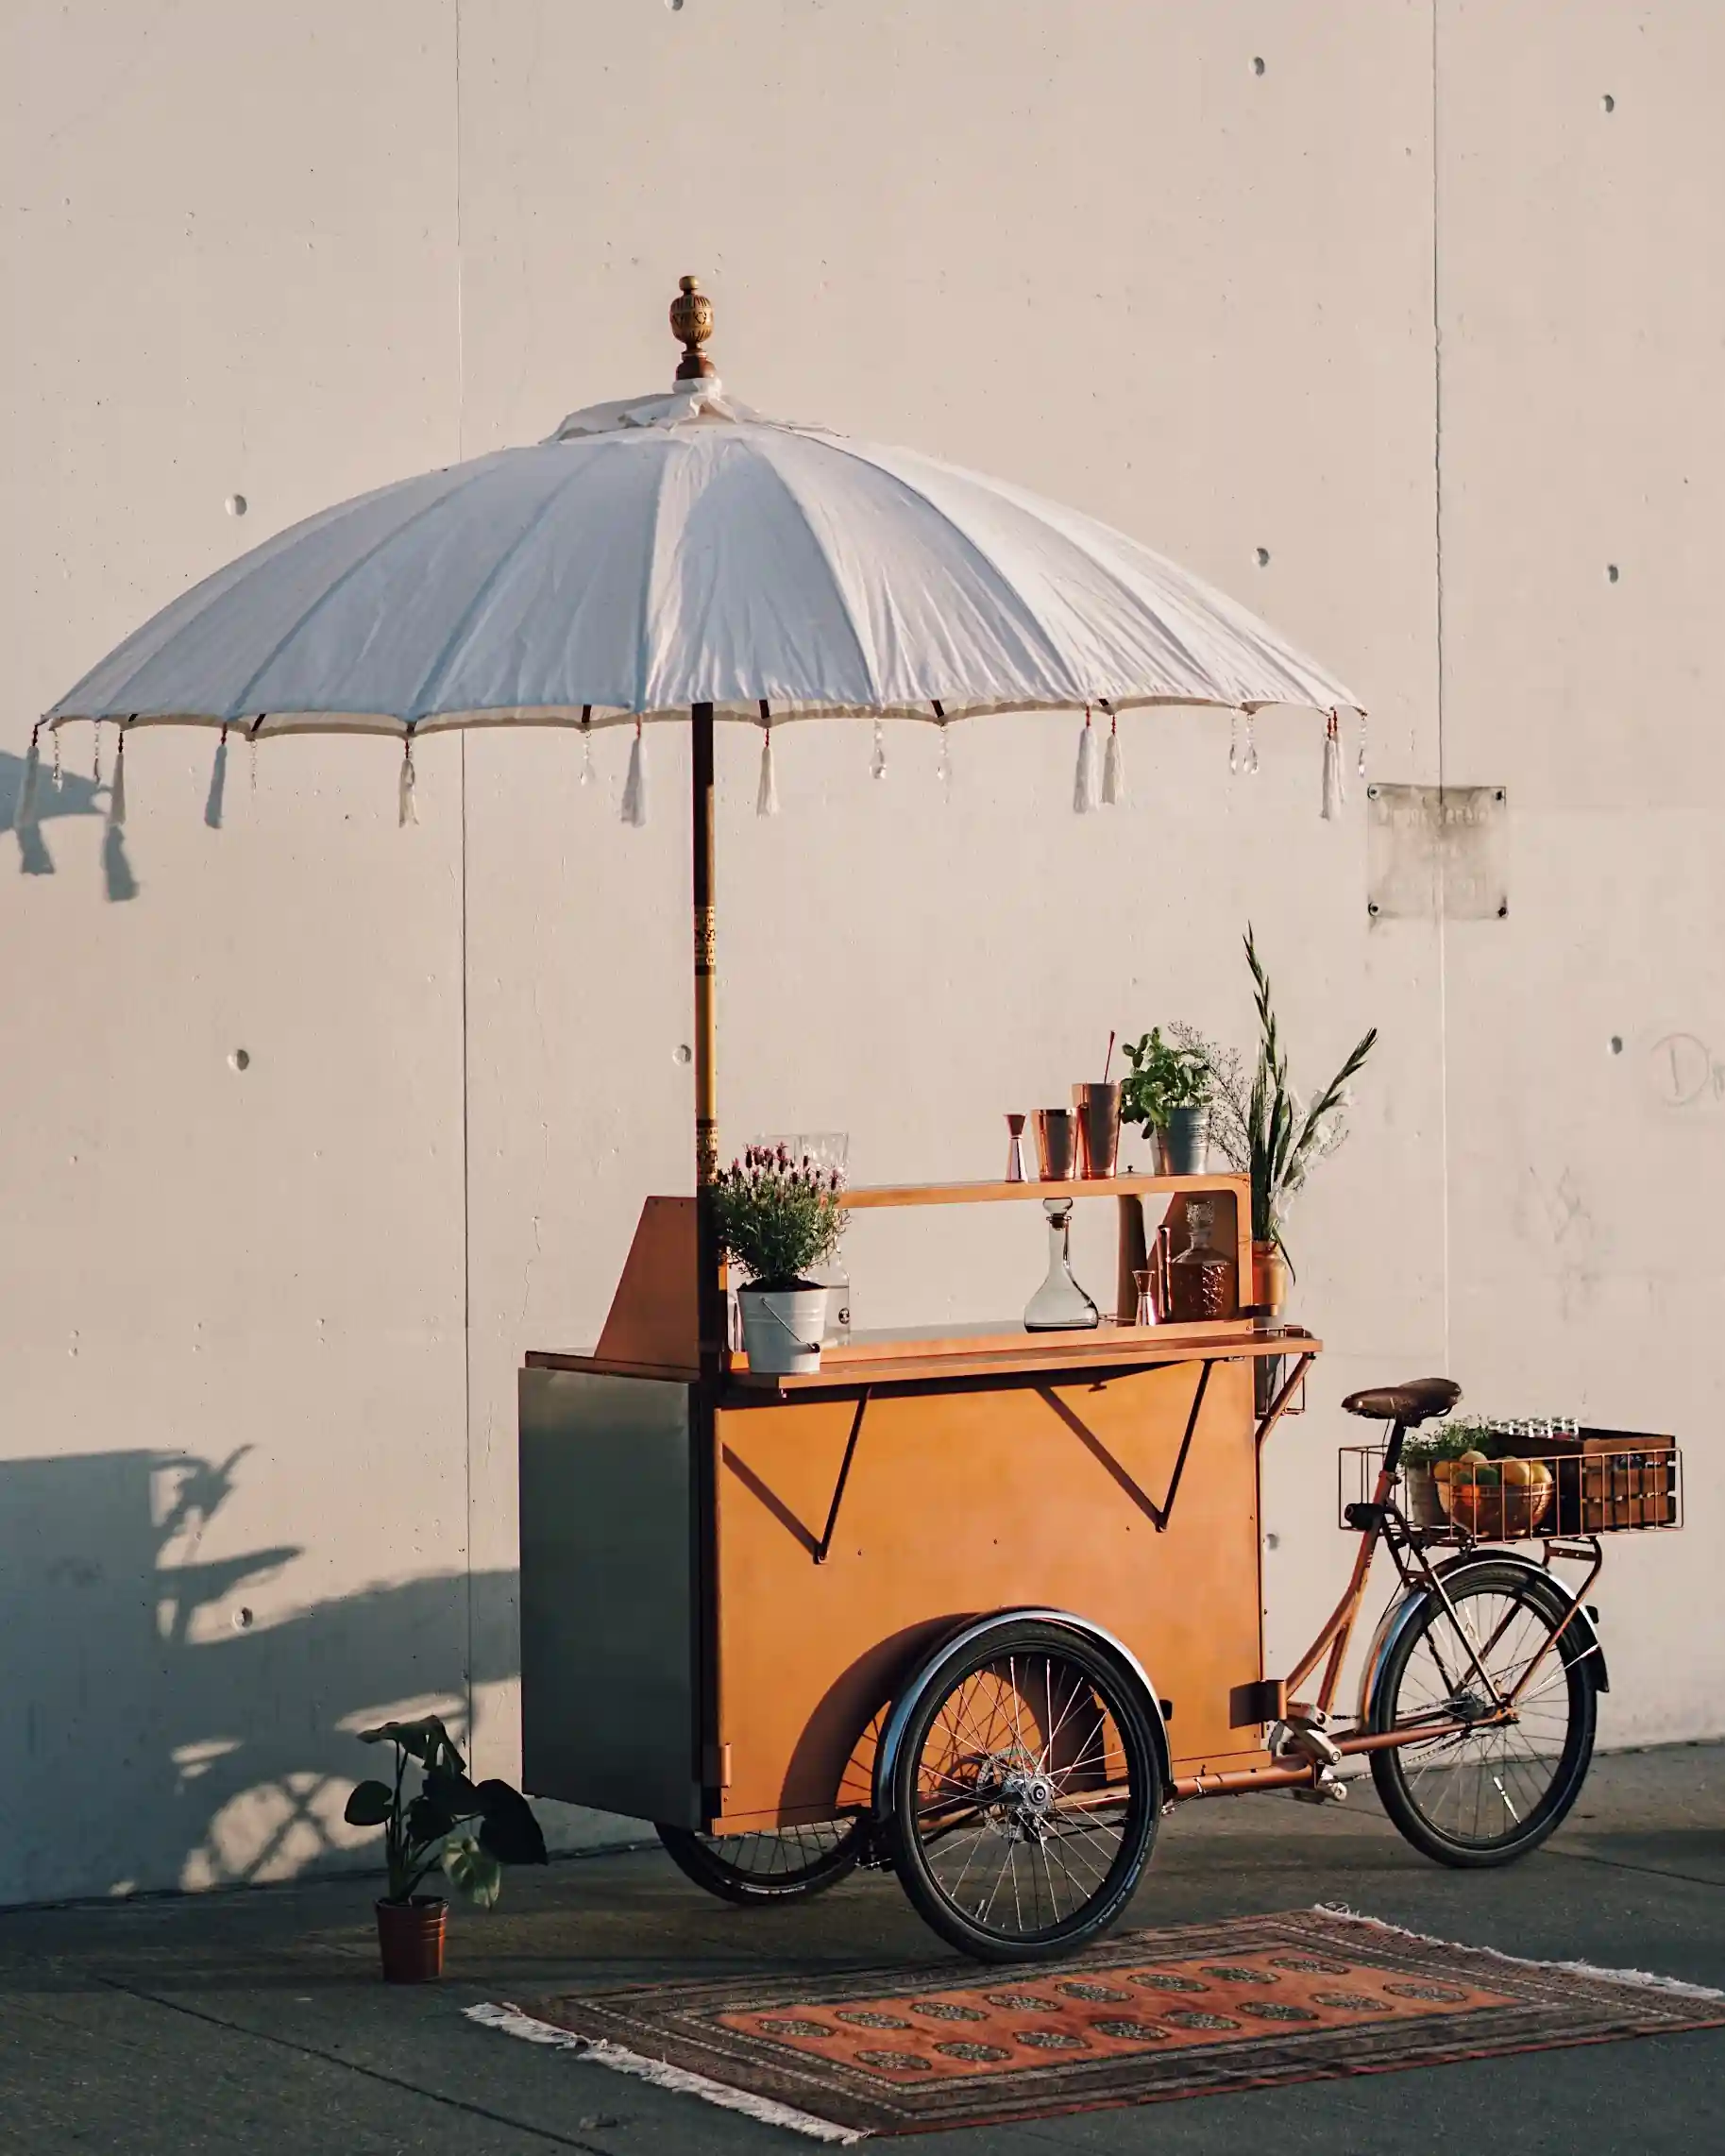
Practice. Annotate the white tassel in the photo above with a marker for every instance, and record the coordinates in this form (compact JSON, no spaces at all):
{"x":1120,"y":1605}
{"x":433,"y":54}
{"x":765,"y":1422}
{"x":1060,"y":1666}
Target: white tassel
{"x":116,"y":793}
{"x":407,"y":809}
{"x":767,"y":797}
{"x":1360,"y":766}
{"x":251,"y":760}
{"x":59,"y":776}
{"x":218,"y":785}
{"x":95,"y":776}
{"x":943,"y":767}
{"x":635,"y":786}
{"x":1084,"y":779}
{"x":26,"y":816}
{"x":587,"y":746}
{"x":877,"y":762}
{"x":1113,"y":767}
{"x":1251,"y":748}
{"x":1333,"y":794}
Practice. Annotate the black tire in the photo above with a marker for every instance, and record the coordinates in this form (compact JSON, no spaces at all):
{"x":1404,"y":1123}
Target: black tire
{"x":788,"y":1865}
{"x":1493,"y":1793}
{"x":981,"y":1775}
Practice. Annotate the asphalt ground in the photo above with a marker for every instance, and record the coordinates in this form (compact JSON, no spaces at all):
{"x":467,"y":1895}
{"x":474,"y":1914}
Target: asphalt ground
{"x":256,"y":2021}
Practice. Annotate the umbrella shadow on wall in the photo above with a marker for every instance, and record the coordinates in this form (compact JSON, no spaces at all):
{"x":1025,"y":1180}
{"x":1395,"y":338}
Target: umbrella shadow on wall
{"x":75,"y":797}
{"x":160,"y":1734}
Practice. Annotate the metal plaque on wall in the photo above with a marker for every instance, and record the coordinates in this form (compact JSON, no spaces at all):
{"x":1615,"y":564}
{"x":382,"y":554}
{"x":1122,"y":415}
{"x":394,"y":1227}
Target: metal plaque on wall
{"x":1436,"y":852}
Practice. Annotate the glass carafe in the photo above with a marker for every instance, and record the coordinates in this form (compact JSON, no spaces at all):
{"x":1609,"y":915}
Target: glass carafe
{"x":1203,"y":1282}
{"x":1060,"y":1305}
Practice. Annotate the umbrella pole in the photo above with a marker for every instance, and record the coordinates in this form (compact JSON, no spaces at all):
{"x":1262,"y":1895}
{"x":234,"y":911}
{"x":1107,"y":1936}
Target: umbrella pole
{"x":710,"y":1285}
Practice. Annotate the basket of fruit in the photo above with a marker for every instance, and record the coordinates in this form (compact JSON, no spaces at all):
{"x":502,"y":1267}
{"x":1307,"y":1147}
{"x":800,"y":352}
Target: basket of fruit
{"x":1454,"y":1474}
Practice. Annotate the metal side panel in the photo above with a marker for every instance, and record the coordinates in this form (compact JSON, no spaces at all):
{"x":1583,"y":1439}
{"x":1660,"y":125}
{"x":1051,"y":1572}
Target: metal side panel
{"x":608,"y":1671}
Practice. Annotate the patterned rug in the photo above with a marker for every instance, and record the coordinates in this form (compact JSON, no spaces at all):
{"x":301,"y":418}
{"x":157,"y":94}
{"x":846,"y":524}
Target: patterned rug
{"x":1142,"y":2018}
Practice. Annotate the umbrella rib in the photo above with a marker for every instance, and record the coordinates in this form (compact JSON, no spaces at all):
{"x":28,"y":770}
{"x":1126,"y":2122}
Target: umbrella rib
{"x":244,"y":701}
{"x":1024,"y":618}
{"x":865,"y":657}
{"x":446,"y":659}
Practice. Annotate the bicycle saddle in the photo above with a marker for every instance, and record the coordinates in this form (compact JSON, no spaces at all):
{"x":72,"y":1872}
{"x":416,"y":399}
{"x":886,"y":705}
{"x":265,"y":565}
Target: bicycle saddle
{"x":1409,"y":1403}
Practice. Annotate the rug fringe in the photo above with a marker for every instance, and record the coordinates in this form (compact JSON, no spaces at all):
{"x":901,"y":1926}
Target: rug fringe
{"x":511,"y":2021}
{"x":1641,"y":1977}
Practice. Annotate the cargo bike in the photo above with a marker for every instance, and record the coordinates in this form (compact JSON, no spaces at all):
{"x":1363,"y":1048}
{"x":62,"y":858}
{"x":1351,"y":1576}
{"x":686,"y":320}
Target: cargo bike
{"x":982,"y":1611}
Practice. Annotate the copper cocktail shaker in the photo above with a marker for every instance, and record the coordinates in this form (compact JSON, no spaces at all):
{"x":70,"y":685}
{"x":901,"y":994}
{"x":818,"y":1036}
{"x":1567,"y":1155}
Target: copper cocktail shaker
{"x":1097,"y":1107}
{"x":1056,"y":1144}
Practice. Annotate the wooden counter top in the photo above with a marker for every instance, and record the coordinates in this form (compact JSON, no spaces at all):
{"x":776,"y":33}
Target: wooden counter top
{"x":917,"y":1362}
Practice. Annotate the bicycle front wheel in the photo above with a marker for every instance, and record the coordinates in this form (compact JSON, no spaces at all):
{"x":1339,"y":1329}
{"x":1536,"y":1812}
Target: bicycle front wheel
{"x":1026,"y":1794}
{"x":786,"y":1864}
{"x":1497,"y":1788}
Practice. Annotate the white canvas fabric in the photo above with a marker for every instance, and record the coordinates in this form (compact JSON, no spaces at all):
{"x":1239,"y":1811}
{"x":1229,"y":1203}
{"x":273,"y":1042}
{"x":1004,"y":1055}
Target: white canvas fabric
{"x":666,"y":550}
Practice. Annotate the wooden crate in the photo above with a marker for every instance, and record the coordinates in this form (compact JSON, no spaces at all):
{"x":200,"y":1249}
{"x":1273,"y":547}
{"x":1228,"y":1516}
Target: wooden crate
{"x":1606,"y":1479}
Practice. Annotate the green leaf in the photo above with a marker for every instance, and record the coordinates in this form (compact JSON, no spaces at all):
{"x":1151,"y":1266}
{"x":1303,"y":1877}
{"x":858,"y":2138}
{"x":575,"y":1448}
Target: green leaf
{"x":426,"y":1740}
{"x":472,"y":1872}
{"x":509,"y":1831}
{"x":427,"y":1820}
{"x":452,"y":1792}
{"x":369,"y":1803}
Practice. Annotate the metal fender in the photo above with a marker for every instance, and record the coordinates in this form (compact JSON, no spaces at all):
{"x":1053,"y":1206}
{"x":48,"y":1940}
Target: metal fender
{"x":904,"y":1705}
{"x":1406,"y":1609}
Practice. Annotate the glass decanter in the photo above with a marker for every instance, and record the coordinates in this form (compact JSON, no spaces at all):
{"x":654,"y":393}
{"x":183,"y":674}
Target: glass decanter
{"x":1060,"y":1305}
{"x":1203,"y":1282}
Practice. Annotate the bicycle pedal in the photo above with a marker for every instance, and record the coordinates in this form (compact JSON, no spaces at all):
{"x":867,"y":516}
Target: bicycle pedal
{"x":1326,"y":1788}
{"x":1296,"y":1746}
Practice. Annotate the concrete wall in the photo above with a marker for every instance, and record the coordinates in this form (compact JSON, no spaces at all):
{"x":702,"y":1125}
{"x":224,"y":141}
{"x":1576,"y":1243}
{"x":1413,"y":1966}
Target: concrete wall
{"x":1408,"y":309}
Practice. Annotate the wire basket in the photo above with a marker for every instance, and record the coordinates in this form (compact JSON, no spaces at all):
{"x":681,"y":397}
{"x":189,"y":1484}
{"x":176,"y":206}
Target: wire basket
{"x":1598,"y":1482}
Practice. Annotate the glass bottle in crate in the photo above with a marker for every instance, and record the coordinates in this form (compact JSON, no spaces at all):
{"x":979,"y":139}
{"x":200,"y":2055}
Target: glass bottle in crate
{"x":1204,"y":1281}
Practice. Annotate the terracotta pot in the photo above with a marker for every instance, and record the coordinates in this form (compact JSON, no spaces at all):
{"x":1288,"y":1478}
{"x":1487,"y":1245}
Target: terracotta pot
{"x":1269,"y":1279}
{"x":410,"y":1938}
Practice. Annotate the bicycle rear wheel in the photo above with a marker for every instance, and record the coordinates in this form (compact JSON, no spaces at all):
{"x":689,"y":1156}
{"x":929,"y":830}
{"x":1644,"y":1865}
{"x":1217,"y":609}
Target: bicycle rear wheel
{"x":1496,"y":1790}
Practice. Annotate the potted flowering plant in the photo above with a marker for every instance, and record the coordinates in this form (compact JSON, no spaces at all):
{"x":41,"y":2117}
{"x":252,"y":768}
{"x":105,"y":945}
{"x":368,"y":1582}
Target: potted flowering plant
{"x":469,"y":1830}
{"x":777,"y":1218}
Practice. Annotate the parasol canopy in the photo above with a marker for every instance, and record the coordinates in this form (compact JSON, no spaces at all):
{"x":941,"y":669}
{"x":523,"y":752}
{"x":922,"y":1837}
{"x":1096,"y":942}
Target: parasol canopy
{"x":666,"y":551}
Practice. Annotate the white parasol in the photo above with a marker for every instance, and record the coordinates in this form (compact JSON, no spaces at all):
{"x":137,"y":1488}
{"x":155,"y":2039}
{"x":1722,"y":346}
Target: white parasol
{"x":681,"y":555}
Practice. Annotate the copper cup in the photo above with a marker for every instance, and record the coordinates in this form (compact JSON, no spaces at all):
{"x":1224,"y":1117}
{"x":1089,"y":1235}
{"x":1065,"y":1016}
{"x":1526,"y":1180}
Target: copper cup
{"x":1097,"y":1107}
{"x":1056,"y":1144}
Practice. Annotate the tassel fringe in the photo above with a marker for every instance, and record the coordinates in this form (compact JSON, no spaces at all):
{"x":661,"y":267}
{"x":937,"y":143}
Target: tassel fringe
{"x":1084,"y":779}
{"x":1334,"y":794}
{"x":601,"y":2051}
{"x":218,"y":785}
{"x":635,"y":786}
{"x":1113,"y":767}
{"x":877,"y":761}
{"x":766,"y":794}
{"x":28,"y":815}
{"x":116,"y":793}
{"x":407,"y":809}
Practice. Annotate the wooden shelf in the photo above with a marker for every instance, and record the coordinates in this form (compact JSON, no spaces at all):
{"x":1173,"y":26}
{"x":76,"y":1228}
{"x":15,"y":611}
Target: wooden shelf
{"x":1055,"y":1354}
{"x":869,"y":1196}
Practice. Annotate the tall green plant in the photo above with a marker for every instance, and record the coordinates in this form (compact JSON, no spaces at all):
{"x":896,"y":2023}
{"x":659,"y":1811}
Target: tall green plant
{"x":469,"y":1829}
{"x":1284,"y":1139}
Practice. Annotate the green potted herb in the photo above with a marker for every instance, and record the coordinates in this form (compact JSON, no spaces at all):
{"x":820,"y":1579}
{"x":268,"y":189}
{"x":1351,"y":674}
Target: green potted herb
{"x":1266,"y":1131}
{"x":1167,"y":1089}
{"x":469,"y":1830}
{"x":777,"y":1218}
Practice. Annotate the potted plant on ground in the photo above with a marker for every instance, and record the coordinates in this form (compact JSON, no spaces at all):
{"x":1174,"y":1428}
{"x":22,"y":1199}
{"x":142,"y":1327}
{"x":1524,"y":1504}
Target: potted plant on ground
{"x":469,"y":1830}
{"x":778,"y":1218}
{"x":1267,"y":1131}
{"x":1168,"y":1089}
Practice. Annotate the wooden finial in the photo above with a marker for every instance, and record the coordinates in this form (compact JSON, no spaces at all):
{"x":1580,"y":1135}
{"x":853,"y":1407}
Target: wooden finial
{"x":691,"y":319}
